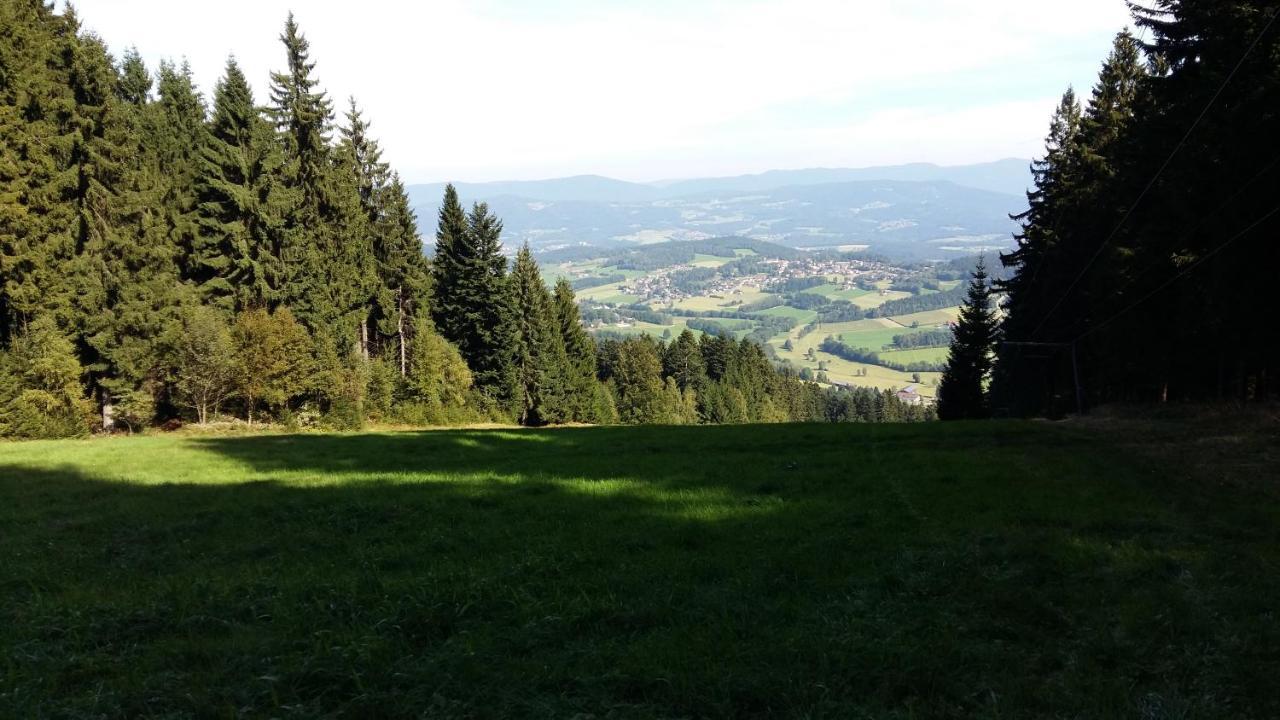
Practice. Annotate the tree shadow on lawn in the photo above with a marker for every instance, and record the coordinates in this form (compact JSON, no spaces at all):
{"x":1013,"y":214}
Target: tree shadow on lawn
{"x":789,"y":570}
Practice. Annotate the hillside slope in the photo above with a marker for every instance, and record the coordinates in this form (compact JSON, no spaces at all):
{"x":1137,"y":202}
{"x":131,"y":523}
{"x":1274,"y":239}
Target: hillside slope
{"x":942,"y":570}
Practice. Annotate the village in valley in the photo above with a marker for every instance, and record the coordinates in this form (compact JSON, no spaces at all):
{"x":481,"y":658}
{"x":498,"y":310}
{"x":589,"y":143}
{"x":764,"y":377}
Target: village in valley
{"x":839,"y":318}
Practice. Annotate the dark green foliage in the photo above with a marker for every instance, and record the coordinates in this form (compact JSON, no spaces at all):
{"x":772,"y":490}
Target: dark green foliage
{"x":637,"y":379}
{"x":473,"y":303}
{"x":962,"y":392}
{"x":582,"y":401}
{"x":1147,"y":245}
{"x":540,"y":362}
{"x":237,"y":261}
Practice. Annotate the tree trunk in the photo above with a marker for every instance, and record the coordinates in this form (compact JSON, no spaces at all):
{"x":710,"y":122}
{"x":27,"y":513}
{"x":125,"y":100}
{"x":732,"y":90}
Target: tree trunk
{"x":364,"y":338}
{"x":404,"y":363}
{"x":108,"y":411}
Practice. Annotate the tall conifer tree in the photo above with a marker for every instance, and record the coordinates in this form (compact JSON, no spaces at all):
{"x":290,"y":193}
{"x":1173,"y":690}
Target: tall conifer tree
{"x":962,"y":393}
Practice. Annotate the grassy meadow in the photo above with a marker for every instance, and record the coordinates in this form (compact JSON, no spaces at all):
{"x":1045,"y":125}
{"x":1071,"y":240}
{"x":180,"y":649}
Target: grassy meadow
{"x":1006,"y":569}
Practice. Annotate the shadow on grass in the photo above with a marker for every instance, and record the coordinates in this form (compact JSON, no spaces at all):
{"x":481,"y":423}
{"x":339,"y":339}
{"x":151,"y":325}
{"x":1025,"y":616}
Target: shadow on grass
{"x":629,"y":572}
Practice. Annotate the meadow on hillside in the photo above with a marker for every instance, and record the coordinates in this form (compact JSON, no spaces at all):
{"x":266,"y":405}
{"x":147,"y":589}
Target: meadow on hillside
{"x":1004,"y":569}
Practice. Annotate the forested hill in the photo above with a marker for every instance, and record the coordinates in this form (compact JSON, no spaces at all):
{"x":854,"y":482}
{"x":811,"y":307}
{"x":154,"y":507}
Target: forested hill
{"x":666,"y":254}
{"x":908,"y":219}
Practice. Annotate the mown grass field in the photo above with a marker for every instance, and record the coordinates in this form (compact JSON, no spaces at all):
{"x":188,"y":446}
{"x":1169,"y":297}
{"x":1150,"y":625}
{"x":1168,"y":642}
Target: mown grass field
{"x":947,"y":570}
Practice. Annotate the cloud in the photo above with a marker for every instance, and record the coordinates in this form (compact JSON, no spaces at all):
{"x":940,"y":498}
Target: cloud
{"x":511,"y":89}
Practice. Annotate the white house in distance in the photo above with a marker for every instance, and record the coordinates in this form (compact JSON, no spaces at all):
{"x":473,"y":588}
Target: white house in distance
{"x":910,"y":395}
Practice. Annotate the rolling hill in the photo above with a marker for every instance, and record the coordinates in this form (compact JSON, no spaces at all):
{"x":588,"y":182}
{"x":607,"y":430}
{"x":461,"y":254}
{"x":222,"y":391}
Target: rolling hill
{"x":910,"y":212}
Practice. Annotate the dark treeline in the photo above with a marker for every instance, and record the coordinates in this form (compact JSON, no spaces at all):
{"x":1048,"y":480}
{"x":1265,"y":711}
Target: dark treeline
{"x":923,"y":339}
{"x":167,"y":256}
{"x":1149,"y":243}
{"x":855,"y":354}
{"x":715,"y":379}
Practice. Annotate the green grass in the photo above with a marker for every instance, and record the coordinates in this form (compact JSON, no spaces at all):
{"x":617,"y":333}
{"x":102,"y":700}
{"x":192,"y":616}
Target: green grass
{"x":875,"y":340}
{"x":1004,"y":569}
{"x":929,"y":318}
{"x":802,"y":317}
{"x":928,"y":354}
{"x":834,"y":292}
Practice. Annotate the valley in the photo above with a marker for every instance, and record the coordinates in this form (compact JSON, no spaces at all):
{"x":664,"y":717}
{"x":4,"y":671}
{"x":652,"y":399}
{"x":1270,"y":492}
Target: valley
{"x":893,"y":319}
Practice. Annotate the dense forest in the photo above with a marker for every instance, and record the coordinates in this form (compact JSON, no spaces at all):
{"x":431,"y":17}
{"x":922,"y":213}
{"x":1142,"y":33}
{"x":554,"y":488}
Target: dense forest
{"x":1148,"y":250}
{"x":164,"y":258}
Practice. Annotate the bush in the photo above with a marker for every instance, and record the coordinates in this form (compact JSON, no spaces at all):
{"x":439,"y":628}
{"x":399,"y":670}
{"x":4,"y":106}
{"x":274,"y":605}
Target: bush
{"x":40,"y":391}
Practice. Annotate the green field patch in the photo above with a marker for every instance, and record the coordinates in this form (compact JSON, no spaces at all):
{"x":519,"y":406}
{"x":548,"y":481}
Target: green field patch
{"x":837,"y":292}
{"x":933,"y":354}
{"x":929,"y":318}
{"x":801,"y":316}
{"x":701,"y":260}
{"x":725,"y":301}
{"x":876,"y":299}
{"x":874,"y":340}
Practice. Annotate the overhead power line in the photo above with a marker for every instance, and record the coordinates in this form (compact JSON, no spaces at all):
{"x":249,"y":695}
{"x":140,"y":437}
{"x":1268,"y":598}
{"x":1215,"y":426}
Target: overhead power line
{"x":1151,"y":183}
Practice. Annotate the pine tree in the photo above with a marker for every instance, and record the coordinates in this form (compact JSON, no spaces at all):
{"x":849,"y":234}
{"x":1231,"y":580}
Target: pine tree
{"x":541,"y":366}
{"x":448,"y":307}
{"x":472,"y":300}
{"x":404,"y":276}
{"x":962,"y":392}
{"x":236,"y":261}
{"x":134,"y":86}
{"x":326,"y":251}
{"x":583,"y":402}
{"x":638,"y":382}
{"x":683,"y":362}
{"x":39,"y":172}
{"x":1021,"y":384}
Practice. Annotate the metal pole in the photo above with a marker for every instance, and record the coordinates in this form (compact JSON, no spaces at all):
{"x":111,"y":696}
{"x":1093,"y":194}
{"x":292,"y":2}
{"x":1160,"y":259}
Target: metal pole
{"x":1075,"y":374}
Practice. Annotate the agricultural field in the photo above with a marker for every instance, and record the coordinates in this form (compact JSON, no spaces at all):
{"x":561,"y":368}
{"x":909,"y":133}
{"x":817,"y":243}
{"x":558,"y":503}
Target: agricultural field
{"x":729,"y":301}
{"x":1001,"y":569}
{"x":836,"y":292}
{"x":868,"y":300}
{"x":924,"y":354}
{"x":929,"y":318}
{"x":610,"y":294}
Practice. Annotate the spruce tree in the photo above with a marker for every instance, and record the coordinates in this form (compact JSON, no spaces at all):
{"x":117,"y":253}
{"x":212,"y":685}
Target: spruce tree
{"x":683,"y":362}
{"x":962,"y":393}
{"x":39,"y":174}
{"x":472,"y":299}
{"x":1021,"y":383}
{"x":236,"y":262}
{"x":404,"y":276}
{"x":583,"y":401}
{"x":541,"y":366}
{"x":452,"y":250}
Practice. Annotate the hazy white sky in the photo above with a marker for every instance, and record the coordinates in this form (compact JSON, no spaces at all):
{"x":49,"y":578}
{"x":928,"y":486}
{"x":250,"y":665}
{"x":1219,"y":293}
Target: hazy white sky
{"x":523,"y":89}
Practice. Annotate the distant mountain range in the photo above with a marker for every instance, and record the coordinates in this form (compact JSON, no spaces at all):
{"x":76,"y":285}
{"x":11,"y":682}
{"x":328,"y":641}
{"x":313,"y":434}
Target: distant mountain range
{"x":906,"y":211}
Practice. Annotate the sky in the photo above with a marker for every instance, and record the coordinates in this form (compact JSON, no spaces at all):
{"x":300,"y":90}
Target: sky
{"x":660,"y":89}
